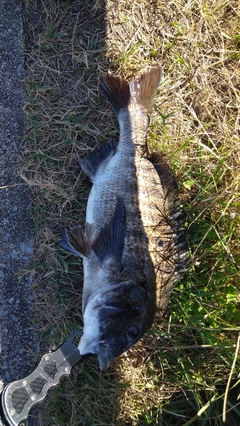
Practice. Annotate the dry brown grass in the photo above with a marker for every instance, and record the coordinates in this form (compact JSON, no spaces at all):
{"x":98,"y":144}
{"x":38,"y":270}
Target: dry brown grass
{"x":196,"y":125}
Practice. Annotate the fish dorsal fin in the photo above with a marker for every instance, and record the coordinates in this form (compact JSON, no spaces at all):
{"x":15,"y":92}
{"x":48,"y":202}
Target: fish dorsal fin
{"x":172,"y":208}
{"x":90,"y":164}
{"x":137,"y":94}
{"x":110,"y":241}
{"x":166,"y":175}
{"x":77,"y":241}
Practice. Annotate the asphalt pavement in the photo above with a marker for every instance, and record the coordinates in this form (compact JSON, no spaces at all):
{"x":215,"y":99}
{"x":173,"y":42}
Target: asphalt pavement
{"x":18,"y":341}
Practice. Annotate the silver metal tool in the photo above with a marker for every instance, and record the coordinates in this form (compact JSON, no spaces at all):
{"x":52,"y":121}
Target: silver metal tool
{"x":19,"y":397}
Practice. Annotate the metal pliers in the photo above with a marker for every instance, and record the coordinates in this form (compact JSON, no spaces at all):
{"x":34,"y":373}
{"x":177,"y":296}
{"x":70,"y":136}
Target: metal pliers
{"x":18,"y":397}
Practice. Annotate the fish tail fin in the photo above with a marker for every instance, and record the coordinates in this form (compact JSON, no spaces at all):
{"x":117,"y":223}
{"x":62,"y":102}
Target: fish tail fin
{"x":138,"y":93}
{"x":143,"y":89}
{"x":116,"y":91}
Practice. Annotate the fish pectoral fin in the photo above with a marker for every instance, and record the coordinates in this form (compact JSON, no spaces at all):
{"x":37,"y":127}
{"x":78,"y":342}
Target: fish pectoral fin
{"x":77,"y":241}
{"x":64,"y":243}
{"x":110,"y":241}
{"x":90,"y":164}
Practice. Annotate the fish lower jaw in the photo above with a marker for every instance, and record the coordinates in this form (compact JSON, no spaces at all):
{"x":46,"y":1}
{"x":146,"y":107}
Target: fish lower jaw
{"x":93,"y":346}
{"x":96,"y":349}
{"x":87,"y":347}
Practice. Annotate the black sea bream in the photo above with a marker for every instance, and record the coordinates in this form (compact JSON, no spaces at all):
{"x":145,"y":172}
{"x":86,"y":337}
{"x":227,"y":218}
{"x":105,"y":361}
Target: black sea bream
{"x":131,"y":246}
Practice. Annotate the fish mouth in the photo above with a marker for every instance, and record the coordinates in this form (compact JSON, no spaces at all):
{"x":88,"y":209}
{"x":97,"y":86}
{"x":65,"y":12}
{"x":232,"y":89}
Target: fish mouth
{"x":103,"y":361}
{"x":101,"y":349}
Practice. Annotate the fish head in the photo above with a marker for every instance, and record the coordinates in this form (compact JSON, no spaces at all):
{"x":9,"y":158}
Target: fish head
{"x":114,"y":320}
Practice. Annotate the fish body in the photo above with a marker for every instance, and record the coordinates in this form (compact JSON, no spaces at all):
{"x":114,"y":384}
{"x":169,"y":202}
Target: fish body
{"x":130,"y":244}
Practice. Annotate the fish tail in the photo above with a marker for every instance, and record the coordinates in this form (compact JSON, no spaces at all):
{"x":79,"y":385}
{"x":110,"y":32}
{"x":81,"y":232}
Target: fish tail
{"x":143,"y":89}
{"x":116,"y":91}
{"x":138,"y":94}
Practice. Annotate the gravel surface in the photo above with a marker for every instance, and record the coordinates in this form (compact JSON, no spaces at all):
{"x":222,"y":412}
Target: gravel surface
{"x":17,"y":340}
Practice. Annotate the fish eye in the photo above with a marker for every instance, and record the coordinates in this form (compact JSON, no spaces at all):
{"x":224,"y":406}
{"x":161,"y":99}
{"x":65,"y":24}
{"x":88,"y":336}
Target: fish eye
{"x":132,"y":333}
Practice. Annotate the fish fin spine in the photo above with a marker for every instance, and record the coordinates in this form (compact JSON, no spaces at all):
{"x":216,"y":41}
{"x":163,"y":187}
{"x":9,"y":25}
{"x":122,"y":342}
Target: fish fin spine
{"x":173,"y":212}
{"x":165,"y":174}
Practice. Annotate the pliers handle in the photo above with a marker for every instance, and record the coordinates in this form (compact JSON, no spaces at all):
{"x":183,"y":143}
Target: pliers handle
{"x":20,"y":396}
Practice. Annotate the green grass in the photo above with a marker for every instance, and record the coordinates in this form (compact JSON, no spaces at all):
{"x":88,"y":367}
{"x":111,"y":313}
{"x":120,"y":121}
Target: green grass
{"x":177,"y":374}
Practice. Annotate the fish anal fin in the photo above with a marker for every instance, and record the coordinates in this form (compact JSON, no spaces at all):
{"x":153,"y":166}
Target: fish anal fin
{"x":90,"y":164}
{"x":64,"y":243}
{"x":110,"y":241}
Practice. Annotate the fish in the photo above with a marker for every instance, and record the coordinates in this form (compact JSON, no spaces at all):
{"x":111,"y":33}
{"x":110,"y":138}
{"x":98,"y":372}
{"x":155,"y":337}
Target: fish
{"x":133,"y":244}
